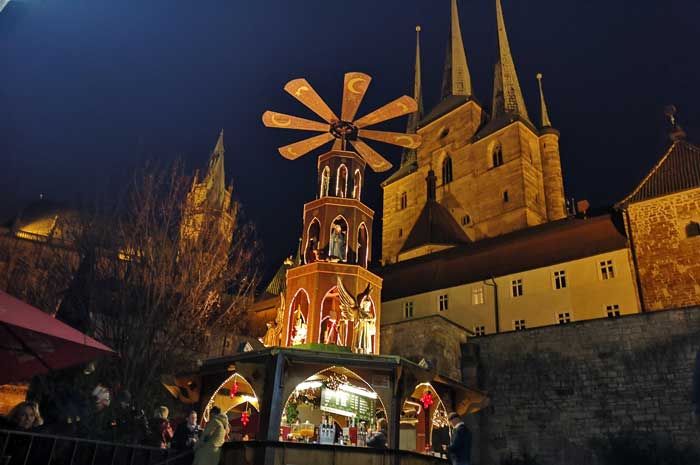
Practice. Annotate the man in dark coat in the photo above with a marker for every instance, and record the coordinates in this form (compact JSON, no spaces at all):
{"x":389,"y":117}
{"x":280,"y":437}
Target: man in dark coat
{"x":187,"y":433}
{"x":460,"y":447}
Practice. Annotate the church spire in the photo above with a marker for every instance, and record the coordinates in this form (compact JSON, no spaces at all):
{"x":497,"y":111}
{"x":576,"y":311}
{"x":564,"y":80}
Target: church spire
{"x":546,"y":123}
{"x":215,"y":179}
{"x":510,"y":98}
{"x":409,"y":155}
{"x":456,"y":79}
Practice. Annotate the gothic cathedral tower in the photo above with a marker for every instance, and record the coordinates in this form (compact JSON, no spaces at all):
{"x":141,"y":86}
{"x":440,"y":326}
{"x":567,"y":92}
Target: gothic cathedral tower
{"x":496,"y":173}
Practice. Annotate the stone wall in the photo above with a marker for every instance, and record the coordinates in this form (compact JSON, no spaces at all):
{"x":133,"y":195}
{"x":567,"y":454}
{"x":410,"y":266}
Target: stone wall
{"x":668,"y":258}
{"x":554,"y":389}
{"x":434,"y":338}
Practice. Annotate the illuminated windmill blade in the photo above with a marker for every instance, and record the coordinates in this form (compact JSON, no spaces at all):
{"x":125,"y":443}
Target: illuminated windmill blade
{"x":354,"y":89}
{"x":297,"y":149}
{"x":410,"y":141}
{"x":301,"y":90}
{"x":399,"y":107}
{"x":376,"y":161}
{"x":273,"y":119}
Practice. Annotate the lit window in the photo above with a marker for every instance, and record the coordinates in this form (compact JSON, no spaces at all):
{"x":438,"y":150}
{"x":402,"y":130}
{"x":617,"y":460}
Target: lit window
{"x":613,"y":310}
{"x":607,"y":271}
{"x":564,"y":318}
{"x":403,"y":201}
{"x":559,"y":279}
{"x":479,"y":330}
{"x":408,"y":309}
{"x":519,"y":325}
{"x":497,"y":156}
{"x":505,"y":196}
{"x":516,"y":287}
{"x":447,"y":170}
{"x":478,"y":295}
{"x":443,"y":302}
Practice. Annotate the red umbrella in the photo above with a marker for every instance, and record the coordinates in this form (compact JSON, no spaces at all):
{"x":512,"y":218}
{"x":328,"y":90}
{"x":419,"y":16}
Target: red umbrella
{"x":33,"y":342}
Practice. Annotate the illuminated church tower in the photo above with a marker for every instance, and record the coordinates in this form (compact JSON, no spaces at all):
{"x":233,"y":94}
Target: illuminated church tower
{"x":331,"y":297}
{"x":208,"y":203}
{"x":496,"y":173}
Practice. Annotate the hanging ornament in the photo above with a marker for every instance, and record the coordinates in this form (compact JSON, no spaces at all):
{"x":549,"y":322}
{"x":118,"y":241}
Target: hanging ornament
{"x":426,"y":399}
{"x":245,"y":418}
{"x":234,"y":390}
{"x":335,"y":380}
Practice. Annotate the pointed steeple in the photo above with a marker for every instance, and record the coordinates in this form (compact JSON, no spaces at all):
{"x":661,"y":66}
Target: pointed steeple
{"x":215,"y":179}
{"x":546,"y":123}
{"x":510,"y":97}
{"x":456,"y":79}
{"x":409,"y":155}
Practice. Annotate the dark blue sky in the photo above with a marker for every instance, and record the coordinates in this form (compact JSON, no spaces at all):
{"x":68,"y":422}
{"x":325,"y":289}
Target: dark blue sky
{"x":91,"y":88}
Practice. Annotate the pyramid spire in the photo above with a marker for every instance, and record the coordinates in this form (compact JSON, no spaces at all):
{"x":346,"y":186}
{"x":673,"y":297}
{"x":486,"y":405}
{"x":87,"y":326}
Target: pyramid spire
{"x":510,"y":98}
{"x":546,"y":123}
{"x":456,"y":79}
{"x":215,"y":179}
{"x":409,"y":155}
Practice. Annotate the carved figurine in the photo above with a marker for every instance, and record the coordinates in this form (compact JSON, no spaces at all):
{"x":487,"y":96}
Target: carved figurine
{"x":337,"y":249}
{"x":273,"y":335}
{"x":358,"y":311}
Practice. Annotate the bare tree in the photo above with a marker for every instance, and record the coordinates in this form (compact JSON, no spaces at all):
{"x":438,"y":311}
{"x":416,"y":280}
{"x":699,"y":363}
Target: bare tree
{"x":156,"y":278}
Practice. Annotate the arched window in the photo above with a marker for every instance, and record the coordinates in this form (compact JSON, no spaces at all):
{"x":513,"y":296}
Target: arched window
{"x":311,"y":251}
{"x":447,"y":170}
{"x":325,"y":181}
{"x":341,"y":183}
{"x":357,"y":185}
{"x":298,"y":319}
{"x":692,"y":229}
{"x":497,"y":156}
{"x":362,"y":247}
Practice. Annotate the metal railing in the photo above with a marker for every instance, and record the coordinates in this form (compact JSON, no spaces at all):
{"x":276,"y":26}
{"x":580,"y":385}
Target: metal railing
{"x":22,"y":448}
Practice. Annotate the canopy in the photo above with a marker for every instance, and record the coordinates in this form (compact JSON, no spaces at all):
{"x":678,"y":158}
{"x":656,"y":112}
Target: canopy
{"x":33,"y":342}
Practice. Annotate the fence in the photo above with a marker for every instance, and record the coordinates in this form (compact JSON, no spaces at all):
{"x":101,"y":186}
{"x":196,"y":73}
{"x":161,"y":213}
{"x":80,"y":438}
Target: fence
{"x":21,"y":448}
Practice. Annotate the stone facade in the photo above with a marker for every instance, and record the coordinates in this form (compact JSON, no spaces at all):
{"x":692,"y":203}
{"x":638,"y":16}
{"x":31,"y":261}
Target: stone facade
{"x":554,"y":389}
{"x":487,"y":199}
{"x":434,"y":338}
{"x":667,"y":251}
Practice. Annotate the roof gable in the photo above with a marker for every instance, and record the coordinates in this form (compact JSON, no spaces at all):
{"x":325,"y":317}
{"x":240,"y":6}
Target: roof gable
{"x":435,"y":225}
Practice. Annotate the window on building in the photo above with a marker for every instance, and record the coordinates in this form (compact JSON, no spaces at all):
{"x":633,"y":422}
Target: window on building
{"x":519,"y":325}
{"x":447,"y":170}
{"x":444,"y":132}
{"x":479,"y":330}
{"x":564,"y":318}
{"x":466,"y":219}
{"x":442,"y":301}
{"x":505,"y":196}
{"x":692,"y":229}
{"x":400,"y":232}
{"x":516,"y":287}
{"x":403,"y":201}
{"x":497,"y":156}
{"x":559,"y":279}
{"x":613,"y":311}
{"x":408,"y":309}
{"x":607,"y":270}
{"x":478,"y":295}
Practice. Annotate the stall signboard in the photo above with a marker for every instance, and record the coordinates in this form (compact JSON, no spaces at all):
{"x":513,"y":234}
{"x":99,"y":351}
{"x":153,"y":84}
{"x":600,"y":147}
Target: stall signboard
{"x":348,"y":404}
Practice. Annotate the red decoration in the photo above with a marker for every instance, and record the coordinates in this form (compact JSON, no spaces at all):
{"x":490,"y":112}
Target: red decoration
{"x":426,"y":399}
{"x":234,"y":390}
{"x":245,"y":418}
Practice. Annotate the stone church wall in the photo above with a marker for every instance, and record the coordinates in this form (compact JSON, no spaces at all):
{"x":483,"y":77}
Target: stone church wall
{"x":434,"y":338}
{"x":554,"y":389}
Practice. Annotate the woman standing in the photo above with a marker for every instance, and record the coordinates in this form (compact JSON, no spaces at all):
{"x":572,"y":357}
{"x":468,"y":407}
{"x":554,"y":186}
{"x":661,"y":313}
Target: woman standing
{"x":208,"y":448}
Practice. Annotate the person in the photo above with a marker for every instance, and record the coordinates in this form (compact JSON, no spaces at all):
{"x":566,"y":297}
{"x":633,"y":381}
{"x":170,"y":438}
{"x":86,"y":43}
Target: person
{"x":25,"y":416}
{"x":161,"y":430}
{"x":187,"y":433}
{"x":337,"y":248}
{"x":378,"y":439}
{"x":461,"y":443}
{"x":207,"y":450}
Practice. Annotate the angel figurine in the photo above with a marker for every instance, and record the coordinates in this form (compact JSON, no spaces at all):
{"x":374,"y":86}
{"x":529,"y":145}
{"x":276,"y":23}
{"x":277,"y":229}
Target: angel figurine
{"x":358,"y":311}
{"x":273,"y":335}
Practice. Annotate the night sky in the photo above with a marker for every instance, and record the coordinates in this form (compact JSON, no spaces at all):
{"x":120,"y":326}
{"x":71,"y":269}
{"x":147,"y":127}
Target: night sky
{"x":89,"y":89}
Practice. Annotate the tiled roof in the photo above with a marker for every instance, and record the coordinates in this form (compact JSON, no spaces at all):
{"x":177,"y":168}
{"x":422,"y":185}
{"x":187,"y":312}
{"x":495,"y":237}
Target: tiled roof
{"x":535,"y":247}
{"x":435,"y":225}
{"x":678,"y":170}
